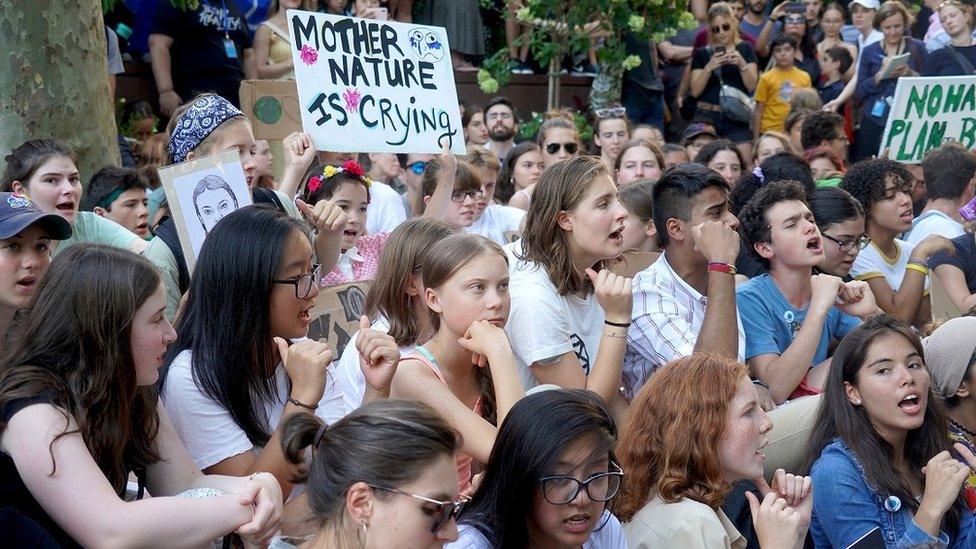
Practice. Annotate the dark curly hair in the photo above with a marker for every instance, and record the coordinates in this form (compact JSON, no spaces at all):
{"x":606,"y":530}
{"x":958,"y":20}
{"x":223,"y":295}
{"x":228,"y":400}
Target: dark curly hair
{"x":753,"y":225}
{"x":782,"y":166}
{"x":818,"y":127}
{"x":867,"y":179}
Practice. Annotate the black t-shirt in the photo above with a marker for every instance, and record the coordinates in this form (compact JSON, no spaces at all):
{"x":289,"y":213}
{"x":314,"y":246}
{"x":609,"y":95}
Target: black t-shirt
{"x":199,"y":56}
{"x":942,"y":62}
{"x":964,"y":259}
{"x":731,"y":75}
{"x":13,"y":492}
{"x":831,"y":91}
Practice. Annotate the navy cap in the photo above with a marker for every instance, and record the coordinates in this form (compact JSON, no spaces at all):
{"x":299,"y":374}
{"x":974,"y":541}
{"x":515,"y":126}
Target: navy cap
{"x":17,"y":212}
{"x":698,"y":128}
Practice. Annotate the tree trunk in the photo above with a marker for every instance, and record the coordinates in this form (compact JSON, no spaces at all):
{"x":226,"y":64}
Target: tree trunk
{"x":54,"y":79}
{"x":552,"y":97}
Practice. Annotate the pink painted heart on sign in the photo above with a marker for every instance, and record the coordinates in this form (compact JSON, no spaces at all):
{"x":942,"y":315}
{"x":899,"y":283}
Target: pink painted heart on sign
{"x":309,"y":55}
{"x":352,"y":99}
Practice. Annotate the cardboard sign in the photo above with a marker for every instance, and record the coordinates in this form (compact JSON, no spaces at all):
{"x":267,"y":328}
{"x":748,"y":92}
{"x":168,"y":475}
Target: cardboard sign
{"x":335,"y":317}
{"x":201,"y":192}
{"x":928,"y":111}
{"x":374,"y":86}
{"x":272,"y":107}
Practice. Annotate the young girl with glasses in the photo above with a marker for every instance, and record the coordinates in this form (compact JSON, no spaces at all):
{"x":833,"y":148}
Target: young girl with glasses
{"x":383,"y":476}
{"x":695,"y":429}
{"x":232,"y":376}
{"x":841,"y":221}
{"x":550,"y":478}
{"x":466,"y":371}
{"x":558,"y":138}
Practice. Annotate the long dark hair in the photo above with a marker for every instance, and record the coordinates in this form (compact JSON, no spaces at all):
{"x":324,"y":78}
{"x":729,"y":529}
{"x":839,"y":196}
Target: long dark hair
{"x":534,"y":435}
{"x":73,"y":343}
{"x":226,"y":323}
{"x":838,"y":418}
{"x":505,"y":184}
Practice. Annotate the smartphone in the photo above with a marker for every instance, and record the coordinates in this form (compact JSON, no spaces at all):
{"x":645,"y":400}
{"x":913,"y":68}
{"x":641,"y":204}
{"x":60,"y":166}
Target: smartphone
{"x":719,"y":50}
{"x":796,"y":7}
{"x":383,"y":14}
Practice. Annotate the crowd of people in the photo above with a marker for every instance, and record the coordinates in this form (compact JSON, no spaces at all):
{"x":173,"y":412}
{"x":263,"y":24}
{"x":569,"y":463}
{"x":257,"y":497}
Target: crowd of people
{"x":721,"y":338}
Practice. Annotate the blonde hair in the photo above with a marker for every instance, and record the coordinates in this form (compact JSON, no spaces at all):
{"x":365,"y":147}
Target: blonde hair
{"x":723,"y":9}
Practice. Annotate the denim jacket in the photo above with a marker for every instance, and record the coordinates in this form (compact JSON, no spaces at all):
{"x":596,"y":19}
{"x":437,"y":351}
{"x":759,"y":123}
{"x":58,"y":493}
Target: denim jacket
{"x":845,"y":507}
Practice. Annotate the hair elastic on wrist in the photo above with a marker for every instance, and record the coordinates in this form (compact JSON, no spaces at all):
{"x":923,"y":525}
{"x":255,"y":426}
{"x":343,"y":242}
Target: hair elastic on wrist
{"x":302,"y":404}
{"x":617,"y":324}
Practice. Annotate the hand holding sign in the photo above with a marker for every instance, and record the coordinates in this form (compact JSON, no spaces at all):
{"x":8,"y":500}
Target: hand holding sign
{"x":378,"y":357}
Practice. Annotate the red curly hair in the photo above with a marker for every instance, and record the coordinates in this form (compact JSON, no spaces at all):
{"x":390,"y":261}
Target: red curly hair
{"x":669,"y":445}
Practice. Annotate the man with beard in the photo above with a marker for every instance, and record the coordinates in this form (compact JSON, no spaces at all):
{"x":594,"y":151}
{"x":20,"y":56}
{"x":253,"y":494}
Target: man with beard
{"x":754,"y":20}
{"x":502,"y":125}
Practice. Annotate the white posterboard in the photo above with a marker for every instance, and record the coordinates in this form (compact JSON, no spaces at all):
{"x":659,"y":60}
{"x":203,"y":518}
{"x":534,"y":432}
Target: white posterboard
{"x":201,"y":192}
{"x":374,"y":86}
{"x":928,"y":111}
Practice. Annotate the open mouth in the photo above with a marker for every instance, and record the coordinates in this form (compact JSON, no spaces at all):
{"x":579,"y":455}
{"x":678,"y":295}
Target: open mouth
{"x":577,"y":523}
{"x":759,"y":451}
{"x":907,"y":215}
{"x":911,"y":404}
{"x":618,"y":235}
{"x":305,"y":316}
{"x":815,"y":244}
{"x":27,"y":282}
{"x":67,"y":207}
{"x":350,"y":233}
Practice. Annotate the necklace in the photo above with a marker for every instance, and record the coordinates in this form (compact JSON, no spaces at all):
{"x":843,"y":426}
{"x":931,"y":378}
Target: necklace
{"x":969,"y":434}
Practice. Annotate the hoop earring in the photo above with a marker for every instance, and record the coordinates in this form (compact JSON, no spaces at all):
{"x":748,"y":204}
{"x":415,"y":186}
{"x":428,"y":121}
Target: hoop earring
{"x":362,"y":541}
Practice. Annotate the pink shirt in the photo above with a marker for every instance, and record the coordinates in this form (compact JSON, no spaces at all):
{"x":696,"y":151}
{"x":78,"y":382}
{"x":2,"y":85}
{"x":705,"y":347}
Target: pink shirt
{"x":369,"y":248}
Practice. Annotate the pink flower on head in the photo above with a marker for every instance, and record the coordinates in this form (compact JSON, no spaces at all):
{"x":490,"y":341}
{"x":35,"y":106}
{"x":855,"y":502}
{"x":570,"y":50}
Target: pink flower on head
{"x":309,"y":55}
{"x":353,"y":167}
{"x":313,"y":183}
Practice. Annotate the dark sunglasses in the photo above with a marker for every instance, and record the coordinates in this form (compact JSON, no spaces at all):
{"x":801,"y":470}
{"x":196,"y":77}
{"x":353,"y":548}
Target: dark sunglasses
{"x":719,"y":28}
{"x":418,"y":167}
{"x":553,"y":148}
{"x":446,"y":510}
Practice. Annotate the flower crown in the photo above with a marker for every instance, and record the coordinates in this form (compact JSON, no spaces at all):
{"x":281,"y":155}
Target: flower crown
{"x":351,"y":167}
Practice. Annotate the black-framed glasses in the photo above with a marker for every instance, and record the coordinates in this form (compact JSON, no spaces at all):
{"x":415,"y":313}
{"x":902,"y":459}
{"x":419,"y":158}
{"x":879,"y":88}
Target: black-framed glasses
{"x":553,"y":148}
{"x":418,"y":167}
{"x":459,"y":196}
{"x":303,"y":283}
{"x":841,"y":137}
{"x":726,"y":27}
{"x":446,"y":510}
{"x":845,"y":246}
{"x":560,"y":490}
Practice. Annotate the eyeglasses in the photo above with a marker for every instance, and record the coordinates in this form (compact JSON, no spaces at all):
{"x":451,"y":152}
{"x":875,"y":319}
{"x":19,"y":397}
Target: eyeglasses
{"x":446,"y":510}
{"x":610,"y":112}
{"x":794,"y":19}
{"x":841,"y":137}
{"x":845,"y":246}
{"x":303,"y":283}
{"x":725,"y":27}
{"x":553,"y":148}
{"x":560,"y":490}
{"x":459,"y":196}
{"x":418,"y":167}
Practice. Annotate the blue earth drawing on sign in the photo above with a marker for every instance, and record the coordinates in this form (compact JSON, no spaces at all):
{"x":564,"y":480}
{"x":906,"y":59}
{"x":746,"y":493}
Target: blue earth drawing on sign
{"x":426,"y":45}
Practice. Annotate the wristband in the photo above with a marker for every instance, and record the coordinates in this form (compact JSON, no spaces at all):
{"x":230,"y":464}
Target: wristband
{"x":720,"y":267}
{"x":760,"y":383}
{"x":917,"y":268}
{"x":302,"y":404}
{"x":617,"y":324}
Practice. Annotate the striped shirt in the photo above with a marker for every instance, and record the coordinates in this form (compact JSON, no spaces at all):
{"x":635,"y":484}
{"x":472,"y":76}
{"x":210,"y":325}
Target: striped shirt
{"x":667,"y":316}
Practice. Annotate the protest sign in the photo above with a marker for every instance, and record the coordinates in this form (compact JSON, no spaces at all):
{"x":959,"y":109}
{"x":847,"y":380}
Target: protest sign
{"x":928,"y":111}
{"x":200,"y":192}
{"x":272,"y":107}
{"x":335,"y":316}
{"x":374,"y":86}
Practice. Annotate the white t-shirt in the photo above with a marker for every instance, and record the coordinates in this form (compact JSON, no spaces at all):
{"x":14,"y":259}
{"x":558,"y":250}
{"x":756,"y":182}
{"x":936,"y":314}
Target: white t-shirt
{"x":871,"y":263}
{"x":609,"y":536}
{"x":542,"y":324}
{"x":933,"y":222}
{"x":346,"y":376}
{"x":385,"y":210}
{"x":496,"y":221}
{"x":206,"y":428}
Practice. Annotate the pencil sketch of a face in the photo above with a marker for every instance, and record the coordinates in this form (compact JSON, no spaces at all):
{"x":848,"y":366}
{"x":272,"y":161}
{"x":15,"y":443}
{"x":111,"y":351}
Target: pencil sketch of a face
{"x":212,"y":200}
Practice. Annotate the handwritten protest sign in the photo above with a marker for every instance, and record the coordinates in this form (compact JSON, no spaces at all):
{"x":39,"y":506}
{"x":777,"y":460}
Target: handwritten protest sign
{"x":928,"y":111}
{"x":272,"y":107}
{"x":374,"y":86}
{"x":201,"y":192}
{"x":335,"y":316}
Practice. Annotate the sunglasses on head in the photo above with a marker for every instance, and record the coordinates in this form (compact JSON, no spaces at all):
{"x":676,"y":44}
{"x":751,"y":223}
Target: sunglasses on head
{"x":725,"y":27}
{"x":418,"y":167}
{"x":795,"y":19}
{"x":553,"y":148}
{"x":610,"y":112}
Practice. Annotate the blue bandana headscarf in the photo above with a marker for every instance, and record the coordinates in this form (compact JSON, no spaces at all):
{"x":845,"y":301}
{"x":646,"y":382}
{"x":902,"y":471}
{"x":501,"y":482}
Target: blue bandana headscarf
{"x":200,"y":120}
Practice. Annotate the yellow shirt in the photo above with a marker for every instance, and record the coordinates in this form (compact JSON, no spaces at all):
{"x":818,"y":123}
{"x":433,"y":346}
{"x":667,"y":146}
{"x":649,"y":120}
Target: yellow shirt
{"x":775,"y":89}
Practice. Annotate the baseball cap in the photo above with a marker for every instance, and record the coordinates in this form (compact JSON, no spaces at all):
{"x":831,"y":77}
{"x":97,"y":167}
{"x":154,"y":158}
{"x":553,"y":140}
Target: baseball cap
{"x":866,"y":4}
{"x":17,"y":212}
{"x":698,"y":128}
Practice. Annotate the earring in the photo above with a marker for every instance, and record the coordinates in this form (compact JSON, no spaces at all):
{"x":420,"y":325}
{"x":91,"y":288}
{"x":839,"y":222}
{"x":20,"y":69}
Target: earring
{"x":362,"y":541}
{"x":857,"y":402}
